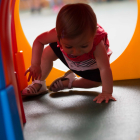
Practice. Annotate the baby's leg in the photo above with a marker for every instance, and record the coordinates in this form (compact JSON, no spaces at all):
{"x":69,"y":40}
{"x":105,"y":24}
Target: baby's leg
{"x":82,"y":83}
{"x":85,"y":83}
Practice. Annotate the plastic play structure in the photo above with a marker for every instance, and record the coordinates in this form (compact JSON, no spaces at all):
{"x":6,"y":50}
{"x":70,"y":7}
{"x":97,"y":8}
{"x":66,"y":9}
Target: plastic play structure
{"x":15,"y":57}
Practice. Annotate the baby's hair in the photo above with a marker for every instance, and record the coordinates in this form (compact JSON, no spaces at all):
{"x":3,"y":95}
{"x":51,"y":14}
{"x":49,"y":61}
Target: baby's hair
{"x":75,"y":19}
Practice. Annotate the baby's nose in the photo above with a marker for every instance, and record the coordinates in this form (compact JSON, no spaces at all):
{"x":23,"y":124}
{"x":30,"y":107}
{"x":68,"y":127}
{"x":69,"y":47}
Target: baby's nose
{"x":76,"y":52}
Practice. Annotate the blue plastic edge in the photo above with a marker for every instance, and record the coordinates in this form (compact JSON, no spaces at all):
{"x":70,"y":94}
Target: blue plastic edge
{"x":2,"y":127}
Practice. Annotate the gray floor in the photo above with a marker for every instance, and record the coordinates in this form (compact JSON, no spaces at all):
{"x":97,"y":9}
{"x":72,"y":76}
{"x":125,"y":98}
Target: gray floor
{"x":72,"y":115}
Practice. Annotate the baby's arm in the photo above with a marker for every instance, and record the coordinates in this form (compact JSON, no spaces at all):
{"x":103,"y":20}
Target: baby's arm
{"x":105,"y":72}
{"x":37,"y":49}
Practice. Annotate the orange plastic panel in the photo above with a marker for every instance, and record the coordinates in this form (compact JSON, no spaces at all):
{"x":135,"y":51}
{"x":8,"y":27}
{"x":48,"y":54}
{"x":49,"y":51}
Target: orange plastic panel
{"x":127,"y":66}
{"x":20,"y":67}
{"x":18,"y":62}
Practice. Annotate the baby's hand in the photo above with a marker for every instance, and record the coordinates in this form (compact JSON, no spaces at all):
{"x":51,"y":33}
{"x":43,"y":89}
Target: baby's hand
{"x":104,"y":96}
{"x":34,"y":72}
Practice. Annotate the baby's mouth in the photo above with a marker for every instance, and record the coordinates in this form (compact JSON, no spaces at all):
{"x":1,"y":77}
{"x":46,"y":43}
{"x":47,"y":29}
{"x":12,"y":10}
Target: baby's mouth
{"x":71,"y":55}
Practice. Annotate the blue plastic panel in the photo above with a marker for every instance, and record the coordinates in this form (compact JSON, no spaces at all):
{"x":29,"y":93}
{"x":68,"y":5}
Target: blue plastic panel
{"x":2,"y":127}
{"x":10,"y":114}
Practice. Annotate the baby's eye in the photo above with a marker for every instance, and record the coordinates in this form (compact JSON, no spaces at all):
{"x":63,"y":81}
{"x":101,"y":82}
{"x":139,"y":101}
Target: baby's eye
{"x":84,"y":46}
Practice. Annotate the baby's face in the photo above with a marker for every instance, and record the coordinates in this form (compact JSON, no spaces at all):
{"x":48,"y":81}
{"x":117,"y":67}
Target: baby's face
{"x":77,"y":46}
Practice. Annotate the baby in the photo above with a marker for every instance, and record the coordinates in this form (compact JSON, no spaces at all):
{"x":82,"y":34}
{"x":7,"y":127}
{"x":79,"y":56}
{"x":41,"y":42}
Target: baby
{"x":82,"y":45}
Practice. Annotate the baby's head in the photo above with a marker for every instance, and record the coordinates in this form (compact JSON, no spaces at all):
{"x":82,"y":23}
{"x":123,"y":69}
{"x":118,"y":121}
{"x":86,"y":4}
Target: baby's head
{"x":76,"y":26}
{"x":74,"y":20}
